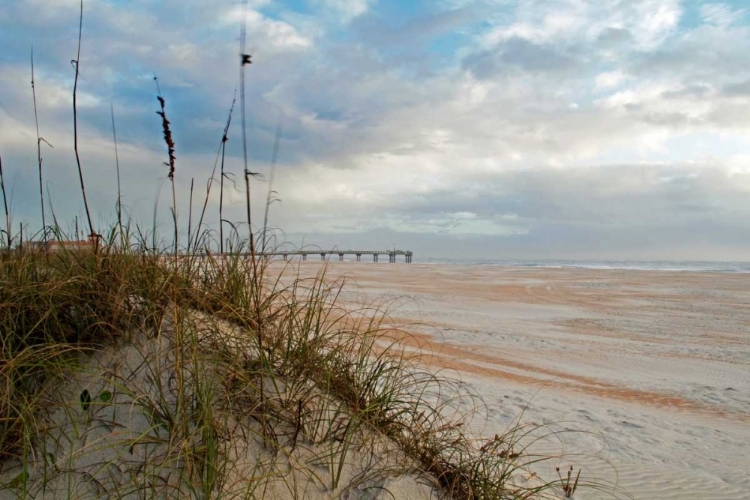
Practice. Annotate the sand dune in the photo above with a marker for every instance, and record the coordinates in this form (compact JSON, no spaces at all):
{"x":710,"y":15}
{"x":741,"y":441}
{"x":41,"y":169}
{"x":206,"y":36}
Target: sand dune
{"x":655,"y":366}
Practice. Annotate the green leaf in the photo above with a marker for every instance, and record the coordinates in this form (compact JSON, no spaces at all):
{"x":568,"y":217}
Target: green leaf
{"x":105,"y":396}
{"x":85,"y":400}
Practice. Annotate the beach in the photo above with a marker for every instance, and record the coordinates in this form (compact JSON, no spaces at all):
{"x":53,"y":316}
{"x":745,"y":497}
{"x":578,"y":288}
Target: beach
{"x":646,"y":373}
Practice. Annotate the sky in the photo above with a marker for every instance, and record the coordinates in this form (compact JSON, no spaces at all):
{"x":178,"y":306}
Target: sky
{"x":539,"y":129}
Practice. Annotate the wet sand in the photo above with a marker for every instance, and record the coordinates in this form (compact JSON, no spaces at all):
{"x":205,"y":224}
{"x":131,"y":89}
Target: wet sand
{"x":654,"y":366}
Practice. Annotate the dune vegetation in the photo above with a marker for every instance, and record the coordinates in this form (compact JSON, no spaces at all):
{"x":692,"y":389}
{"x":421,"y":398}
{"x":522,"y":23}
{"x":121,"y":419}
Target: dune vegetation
{"x":132,"y":373}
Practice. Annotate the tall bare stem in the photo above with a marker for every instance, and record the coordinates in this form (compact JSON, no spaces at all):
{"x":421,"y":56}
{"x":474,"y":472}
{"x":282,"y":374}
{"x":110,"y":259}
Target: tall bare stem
{"x":190,"y":214}
{"x":76,"y":64}
{"x":245,"y":59}
{"x":39,"y":140}
{"x":117,"y":165}
{"x":209,"y":184}
{"x":5,"y":204}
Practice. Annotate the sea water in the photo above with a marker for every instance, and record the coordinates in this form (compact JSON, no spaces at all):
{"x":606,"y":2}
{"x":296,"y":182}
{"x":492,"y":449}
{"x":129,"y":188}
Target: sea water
{"x":656,"y":265}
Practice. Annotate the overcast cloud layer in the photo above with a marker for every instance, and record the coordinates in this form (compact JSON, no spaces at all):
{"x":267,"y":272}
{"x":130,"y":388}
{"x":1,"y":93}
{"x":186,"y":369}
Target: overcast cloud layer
{"x":615,"y":129}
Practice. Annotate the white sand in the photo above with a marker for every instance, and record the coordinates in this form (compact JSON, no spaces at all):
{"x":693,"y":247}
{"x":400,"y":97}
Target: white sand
{"x":654,"y":366}
{"x":116,"y":448}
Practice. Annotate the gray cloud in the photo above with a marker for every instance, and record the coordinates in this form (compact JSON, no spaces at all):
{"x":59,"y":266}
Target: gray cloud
{"x":517,"y":53}
{"x":613,"y":38}
{"x":741,"y":89}
{"x":614,"y":212}
{"x":697,"y":91}
{"x":708,"y":54}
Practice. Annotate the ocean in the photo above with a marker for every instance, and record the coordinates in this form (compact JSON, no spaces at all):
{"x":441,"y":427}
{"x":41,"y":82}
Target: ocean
{"x":658,"y":265}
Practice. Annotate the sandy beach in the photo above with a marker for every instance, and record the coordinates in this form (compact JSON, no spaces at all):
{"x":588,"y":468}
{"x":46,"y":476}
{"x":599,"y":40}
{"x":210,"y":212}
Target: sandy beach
{"x":653,"y":367}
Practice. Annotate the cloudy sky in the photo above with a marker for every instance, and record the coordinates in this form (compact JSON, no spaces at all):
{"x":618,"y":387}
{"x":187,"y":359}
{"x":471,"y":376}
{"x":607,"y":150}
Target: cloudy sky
{"x":610,"y":129}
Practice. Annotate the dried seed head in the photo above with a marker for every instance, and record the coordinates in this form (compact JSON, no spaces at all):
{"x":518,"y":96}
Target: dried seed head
{"x":167,"y":136}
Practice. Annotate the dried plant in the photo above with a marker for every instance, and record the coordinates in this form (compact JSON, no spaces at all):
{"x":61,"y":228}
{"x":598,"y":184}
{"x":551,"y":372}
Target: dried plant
{"x":224,"y":140}
{"x":167,"y":137}
{"x":5,"y":204}
{"x":190,"y":213}
{"x":39,"y":140}
{"x":117,"y":165}
{"x":245,"y":60}
{"x":568,"y":488}
{"x":220,"y":153}
{"x":170,"y":149}
{"x":76,"y":64}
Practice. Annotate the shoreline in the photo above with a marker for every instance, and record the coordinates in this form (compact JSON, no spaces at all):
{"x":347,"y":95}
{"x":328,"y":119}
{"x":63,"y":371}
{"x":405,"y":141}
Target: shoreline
{"x":657,"y":364}
{"x":718,"y":267}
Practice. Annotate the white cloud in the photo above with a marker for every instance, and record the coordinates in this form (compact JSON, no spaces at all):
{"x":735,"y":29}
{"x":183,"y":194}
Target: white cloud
{"x":610,"y":79}
{"x":540,"y":21}
{"x":346,"y":10}
{"x":650,"y":22}
{"x":464,"y":215}
{"x":655,"y":20}
{"x":635,"y":95}
{"x":281,"y":35}
{"x":445,"y":224}
{"x":53,"y":92}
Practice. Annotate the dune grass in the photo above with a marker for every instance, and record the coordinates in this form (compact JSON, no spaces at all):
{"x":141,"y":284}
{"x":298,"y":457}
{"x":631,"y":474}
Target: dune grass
{"x":227,"y":348}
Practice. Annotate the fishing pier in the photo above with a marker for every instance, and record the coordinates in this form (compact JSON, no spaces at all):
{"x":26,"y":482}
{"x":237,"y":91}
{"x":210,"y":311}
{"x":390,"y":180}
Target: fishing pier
{"x":392,"y":254}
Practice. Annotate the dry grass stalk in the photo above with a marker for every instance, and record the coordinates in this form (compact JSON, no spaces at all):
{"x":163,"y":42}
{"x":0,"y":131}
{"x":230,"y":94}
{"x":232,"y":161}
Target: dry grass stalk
{"x":7,"y":229}
{"x":245,"y":60}
{"x":224,"y":139}
{"x":39,"y":140}
{"x":117,"y":166}
{"x":76,"y":63}
{"x":220,"y":153}
{"x":171,"y":164}
{"x":190,"y":214}
{"x":568,"y":489}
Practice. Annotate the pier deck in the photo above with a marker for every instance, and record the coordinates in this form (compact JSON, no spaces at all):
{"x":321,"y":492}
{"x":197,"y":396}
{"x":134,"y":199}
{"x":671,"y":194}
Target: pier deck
{"x":392,"y":254}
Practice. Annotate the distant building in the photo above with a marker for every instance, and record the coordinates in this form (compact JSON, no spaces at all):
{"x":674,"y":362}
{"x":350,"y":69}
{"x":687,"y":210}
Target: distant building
{"x":58,"y":246}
